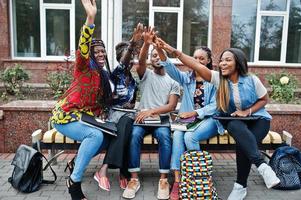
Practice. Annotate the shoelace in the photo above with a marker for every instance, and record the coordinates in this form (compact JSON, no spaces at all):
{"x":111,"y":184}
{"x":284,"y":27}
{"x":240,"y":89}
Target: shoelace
{"x":132,"y":184}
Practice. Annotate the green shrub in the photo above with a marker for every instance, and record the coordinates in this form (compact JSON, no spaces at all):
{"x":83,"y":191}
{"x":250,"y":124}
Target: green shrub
{"x":60,"y":80}
{"x":13,"y":79}
{"x":283,"y":86}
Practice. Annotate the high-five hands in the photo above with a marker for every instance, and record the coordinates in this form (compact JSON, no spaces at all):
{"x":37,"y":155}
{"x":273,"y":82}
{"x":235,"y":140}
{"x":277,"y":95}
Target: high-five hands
{"x":149,"y":35}
{"x":137,"y":34}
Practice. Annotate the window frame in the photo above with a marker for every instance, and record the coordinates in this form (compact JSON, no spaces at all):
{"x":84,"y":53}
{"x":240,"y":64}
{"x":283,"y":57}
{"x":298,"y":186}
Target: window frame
{"x":43,"y":7}
{"x":152,"y":10}
{"x":264,"y":13}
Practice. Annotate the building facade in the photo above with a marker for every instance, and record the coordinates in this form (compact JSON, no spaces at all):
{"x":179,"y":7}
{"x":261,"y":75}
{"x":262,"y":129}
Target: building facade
{"x":41,"y":33}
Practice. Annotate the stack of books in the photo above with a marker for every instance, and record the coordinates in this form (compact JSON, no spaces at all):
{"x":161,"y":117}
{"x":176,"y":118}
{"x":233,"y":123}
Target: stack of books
{"x":155,"y":119}
{"x":185,"y":124}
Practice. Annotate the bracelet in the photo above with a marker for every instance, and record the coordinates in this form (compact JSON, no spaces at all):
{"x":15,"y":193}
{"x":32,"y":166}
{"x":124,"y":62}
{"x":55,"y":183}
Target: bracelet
{"x":250,"y":111}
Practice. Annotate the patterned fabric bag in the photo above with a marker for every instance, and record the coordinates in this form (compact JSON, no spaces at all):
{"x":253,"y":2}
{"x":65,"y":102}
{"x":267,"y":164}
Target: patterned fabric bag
{"x":286,"y":162}
{"x":196,"y":180}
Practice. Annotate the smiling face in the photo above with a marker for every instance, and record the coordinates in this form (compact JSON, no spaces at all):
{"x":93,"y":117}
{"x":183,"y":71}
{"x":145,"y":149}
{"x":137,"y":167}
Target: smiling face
{"x":155,"y":59}
{"x":99,"y":55}
{"x":227,"y":64}
{"x":201,"y":56}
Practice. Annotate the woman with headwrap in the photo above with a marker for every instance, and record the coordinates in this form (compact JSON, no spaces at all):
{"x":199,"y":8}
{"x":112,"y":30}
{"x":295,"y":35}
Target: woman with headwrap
{"x":91,"y":93}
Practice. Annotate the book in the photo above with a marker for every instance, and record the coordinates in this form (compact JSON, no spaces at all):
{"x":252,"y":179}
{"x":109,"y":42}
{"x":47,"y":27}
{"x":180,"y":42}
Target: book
{"x":152,"y":120}
{"x":188,"y":124}
{"x":237,"y":118}
{"x":164,"y":122}
{"x":125,"y":109}
{"x":105,"y":126}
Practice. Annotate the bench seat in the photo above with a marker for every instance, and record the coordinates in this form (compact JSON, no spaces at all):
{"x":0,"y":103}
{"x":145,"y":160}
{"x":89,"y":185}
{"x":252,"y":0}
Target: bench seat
{"x":53,"y":140}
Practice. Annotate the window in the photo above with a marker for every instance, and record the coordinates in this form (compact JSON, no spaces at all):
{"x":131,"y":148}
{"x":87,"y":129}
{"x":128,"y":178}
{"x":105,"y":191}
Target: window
{"x":42,"y":29}
{"x":183,"y":24}
{"x":268,"y":31}
{"x":26,"y":35}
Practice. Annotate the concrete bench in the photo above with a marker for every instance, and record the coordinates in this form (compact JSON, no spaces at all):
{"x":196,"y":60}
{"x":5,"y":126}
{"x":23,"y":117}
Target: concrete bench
{"x":53,"y":140}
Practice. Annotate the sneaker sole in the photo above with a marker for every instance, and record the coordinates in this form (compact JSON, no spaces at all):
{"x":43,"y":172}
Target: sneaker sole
{"x":132,"y":197}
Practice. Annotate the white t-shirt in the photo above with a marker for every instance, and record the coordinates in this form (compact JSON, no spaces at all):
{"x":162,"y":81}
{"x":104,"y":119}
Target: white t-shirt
{"x":259,"y":88}
{"x":155,"y":90}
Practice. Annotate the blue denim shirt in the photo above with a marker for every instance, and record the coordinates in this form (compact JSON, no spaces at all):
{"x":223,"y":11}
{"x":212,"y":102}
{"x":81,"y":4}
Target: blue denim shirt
{"x":188,"y":82}
{"x":248,"y":96}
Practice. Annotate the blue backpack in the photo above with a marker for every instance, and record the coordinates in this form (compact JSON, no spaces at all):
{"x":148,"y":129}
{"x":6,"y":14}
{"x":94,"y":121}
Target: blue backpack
{"x":286,"y":162}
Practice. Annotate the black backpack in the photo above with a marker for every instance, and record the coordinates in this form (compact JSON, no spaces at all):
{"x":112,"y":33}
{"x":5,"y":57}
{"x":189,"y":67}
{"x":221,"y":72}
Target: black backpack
{"x":286,"y":162}
{"x":27,"y":175}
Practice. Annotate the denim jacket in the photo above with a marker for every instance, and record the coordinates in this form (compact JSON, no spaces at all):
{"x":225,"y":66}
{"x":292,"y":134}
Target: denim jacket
{"x":248,"y":96}
{"x":188,"y":82}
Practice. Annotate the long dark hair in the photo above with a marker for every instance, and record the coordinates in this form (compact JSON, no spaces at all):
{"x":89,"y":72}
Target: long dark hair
{"x":223,"y":91}
{"x":105,"y":94}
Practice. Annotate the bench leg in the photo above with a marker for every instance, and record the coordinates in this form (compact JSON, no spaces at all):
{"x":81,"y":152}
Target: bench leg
{"x":51,"y":156}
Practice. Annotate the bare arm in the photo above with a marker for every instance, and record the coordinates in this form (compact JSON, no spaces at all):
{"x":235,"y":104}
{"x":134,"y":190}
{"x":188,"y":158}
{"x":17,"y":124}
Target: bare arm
{"x":188,"y":61}
{"x":137,"y":34}
{"x":148,"y":36}
{"x":170,"y":106}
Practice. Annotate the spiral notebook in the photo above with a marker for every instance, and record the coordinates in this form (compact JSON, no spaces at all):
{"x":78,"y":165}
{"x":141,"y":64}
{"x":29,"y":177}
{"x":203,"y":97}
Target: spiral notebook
{"x":105,"y":126}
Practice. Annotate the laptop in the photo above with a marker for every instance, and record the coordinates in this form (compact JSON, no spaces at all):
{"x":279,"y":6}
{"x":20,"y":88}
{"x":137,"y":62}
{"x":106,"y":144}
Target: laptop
{"x":105,"y":126}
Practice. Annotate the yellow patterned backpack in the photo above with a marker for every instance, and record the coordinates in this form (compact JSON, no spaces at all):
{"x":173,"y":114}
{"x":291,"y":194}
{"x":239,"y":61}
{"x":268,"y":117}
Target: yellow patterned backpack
{"x":196,"y":180}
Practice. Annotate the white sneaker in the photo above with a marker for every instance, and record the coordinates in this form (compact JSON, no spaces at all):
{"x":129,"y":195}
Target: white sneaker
{"x":269,"y":176}
{"x":131,"y":189}
{"x":238,"y":192}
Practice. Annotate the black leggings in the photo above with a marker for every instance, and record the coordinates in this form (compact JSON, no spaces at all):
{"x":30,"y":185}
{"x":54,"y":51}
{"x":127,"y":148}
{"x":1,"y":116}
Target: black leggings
{"x":247,"y":135}
{"x":117,"y":152}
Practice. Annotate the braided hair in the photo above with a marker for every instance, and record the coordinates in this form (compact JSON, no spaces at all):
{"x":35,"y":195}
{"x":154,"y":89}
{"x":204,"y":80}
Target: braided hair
{"x":105,"y":96}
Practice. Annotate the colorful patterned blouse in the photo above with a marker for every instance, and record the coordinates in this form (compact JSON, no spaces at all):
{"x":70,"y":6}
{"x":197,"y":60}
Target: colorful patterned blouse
{"x":199,"y":95}
{"x":83,"y":92}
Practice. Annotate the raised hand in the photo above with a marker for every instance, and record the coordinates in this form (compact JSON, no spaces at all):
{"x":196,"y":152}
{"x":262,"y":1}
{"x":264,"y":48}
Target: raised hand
{"x":159,"y":43}
{"x":91,"y":10}
{"x":137,"y":34}
{"x":149,"y":35}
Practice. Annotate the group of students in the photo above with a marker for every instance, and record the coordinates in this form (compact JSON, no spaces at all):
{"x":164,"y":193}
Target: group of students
{"x":231,"y":91}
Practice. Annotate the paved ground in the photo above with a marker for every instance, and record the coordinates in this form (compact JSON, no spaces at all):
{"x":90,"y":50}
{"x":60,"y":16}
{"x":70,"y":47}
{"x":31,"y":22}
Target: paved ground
{"x":224,"y":176}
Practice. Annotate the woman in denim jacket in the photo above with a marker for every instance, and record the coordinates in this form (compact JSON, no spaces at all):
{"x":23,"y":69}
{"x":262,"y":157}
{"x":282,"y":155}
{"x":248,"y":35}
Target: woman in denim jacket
{"x":238,"y":94}
{"x":198,"y":101}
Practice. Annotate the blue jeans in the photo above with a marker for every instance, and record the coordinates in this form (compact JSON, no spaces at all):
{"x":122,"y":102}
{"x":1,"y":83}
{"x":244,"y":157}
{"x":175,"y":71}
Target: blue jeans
{"x":162,"y":134}
{"x":92,"y":142}
{"x":190,"y":140}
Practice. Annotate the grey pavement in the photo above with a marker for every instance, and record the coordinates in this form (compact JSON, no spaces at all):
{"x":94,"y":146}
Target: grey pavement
{"x":224,"y":175}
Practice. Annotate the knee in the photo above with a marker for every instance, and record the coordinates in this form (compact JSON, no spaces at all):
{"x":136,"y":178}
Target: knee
{"x":164,"y":136}
{"x":136,"y":135}
{"x":188,"y":138}
{"x":233,"y":127}
{"x":97,"y":136}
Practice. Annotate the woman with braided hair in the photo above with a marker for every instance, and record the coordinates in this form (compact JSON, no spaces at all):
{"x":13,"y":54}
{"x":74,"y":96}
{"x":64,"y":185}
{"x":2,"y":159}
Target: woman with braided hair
{"x":91,"y":93}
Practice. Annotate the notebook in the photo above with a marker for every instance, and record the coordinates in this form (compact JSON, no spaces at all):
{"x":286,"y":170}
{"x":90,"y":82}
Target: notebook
{"x":164,"y":123}
{"x":237,"y":118}
{"x":188,"y":124}
{"x":106,"y":127}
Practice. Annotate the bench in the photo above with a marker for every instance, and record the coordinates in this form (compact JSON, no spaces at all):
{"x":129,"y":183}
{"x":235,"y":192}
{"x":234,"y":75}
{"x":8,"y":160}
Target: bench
{"x":53,"y":140}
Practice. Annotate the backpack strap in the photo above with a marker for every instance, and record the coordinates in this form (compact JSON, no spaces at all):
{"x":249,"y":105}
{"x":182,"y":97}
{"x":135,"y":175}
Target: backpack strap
{"x":53,"y":172}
